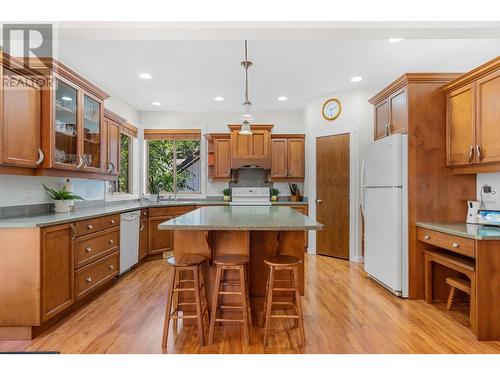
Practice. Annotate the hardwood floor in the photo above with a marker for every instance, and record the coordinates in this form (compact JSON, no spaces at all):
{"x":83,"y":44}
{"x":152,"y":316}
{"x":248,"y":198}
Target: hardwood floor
{"x":344,"y":312}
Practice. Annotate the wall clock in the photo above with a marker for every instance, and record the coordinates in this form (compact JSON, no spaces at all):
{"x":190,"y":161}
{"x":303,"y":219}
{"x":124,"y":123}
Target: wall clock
{"x":331,"y":109}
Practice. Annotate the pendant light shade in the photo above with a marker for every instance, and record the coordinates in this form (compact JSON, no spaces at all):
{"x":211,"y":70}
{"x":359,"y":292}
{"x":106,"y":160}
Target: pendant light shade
{"x":247,"y":115}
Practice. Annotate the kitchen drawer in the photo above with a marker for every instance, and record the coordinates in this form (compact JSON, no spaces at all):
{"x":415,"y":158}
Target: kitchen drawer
{"x":96,"y":224}
{"x":170,"y":211}
{"x":94,"y":246}
{"x":460,"y":245}
{"x":90,"y":277}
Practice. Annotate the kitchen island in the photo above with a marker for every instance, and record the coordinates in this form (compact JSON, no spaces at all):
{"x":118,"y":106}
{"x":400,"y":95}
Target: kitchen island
{"x":254,"y":231}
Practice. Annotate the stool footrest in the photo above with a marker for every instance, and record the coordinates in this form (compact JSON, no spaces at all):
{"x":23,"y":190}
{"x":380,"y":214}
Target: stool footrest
{"x":231,"y":307}
{"x":226,"y":293}
{"x":284,"y":289}
{"x":284,"y":316}
{"x":184,"y":289}
{"x":224,"y":320}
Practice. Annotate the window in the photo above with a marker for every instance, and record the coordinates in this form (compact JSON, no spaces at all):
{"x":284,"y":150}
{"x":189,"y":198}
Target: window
{"x":173,"y":162}
{"x":125,"y":155}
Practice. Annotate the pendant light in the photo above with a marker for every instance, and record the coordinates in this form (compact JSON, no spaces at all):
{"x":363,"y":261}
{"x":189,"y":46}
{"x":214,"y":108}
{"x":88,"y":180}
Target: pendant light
{"x":247,"y":115}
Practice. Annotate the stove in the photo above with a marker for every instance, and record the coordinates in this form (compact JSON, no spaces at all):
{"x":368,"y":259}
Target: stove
{"x":250,"y":196}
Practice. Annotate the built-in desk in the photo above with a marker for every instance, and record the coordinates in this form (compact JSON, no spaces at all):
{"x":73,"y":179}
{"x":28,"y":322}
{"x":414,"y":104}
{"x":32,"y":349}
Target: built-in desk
{"x":473,"y":251}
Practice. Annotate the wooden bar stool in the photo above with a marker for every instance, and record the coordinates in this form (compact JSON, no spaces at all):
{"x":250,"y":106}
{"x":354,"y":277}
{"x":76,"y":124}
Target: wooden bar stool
{"x":283,"y":263}
{"x":189,"y":263}
{"x":460,"y":284}
{"x":225,"y":263}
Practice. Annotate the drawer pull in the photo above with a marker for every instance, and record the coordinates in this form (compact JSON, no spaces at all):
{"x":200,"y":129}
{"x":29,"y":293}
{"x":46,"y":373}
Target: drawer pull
{"x":455,"y":245}
{"x":112,"y":221}
{"x":88,"y":249}
{"x":111,"y":241}
{"x":427,"y":237}
{"x":111,"y":267}
{"x":88,"y":279}
{"x":89,"y":227}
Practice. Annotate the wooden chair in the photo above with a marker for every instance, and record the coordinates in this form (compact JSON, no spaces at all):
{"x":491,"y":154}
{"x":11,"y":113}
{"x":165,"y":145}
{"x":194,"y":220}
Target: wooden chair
{"x":283,"y":263}
{"x":188,"y":263}
{"x":456,"y":283}
{"x":239,"y":264}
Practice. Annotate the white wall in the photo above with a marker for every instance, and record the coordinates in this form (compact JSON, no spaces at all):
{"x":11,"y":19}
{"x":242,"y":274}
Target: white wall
{"x":492,"y":202}
{"x":216,"y":122}
{"x":357,"y":119}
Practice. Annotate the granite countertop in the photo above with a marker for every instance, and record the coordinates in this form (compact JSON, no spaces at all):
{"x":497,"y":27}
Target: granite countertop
{"x":473,"y":231}
{"x":242,"y":218}
{"x":107,"y":209}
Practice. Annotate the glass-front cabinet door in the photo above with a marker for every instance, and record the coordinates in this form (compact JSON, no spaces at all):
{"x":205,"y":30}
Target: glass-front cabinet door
{"x":91,"y":132}
{"x":66,"y":124}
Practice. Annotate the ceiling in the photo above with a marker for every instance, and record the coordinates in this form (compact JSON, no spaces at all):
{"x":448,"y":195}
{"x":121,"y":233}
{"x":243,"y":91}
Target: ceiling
{"x":188,"y":74}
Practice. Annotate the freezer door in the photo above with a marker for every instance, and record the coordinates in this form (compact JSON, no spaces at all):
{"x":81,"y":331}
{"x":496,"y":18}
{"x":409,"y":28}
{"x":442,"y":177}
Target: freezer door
{"x":383,"y":238}
{"x":382,"y":163}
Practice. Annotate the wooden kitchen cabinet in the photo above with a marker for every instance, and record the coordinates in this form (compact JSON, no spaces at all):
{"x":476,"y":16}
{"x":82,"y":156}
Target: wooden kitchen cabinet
{"x":57,"y":269}
{"x":287,"y":157}
{"x":472,"y":113}
{"x":20,"y":123}
{"x":391,"y":111}
{"x":112,"y":127}
{"x":219,"y":156}
{"x":143,"y":239}
{"x":252,"y":149}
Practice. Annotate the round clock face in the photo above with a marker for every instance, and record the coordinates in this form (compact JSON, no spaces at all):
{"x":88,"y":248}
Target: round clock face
{"x":331,"y":109}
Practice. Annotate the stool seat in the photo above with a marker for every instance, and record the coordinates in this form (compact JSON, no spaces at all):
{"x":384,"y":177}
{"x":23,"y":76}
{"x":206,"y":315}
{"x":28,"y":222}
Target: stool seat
{"x":283,"y":261}
{"x":186,"y":260}
{"x":230,"y":260}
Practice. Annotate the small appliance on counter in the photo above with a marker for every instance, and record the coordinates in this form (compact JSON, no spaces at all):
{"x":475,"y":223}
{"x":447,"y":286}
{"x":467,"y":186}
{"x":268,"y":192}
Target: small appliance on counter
{"x":488,"y":217}
{"x":472,"y":211}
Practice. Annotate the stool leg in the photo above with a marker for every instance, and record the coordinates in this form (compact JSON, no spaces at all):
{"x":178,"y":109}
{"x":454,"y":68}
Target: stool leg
{"x":215,"y":300}
{"x":204,"y":302}
{"x":199,"y":318}
{"x":473,"y":318}
{"x":263,"y":317}
{"x":244,"y":302}
{"x":269,"y":303}
{"x":247,"y":285}
{"x":450,"y":298}
{"x":167,"y":310}
{"x":299,"y":304}
{"x":176,"y":299}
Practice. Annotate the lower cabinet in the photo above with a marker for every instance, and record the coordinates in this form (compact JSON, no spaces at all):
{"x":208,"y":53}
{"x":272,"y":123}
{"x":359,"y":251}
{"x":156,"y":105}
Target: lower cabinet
{"x":143,"y":238}
{"x":57,"y":269}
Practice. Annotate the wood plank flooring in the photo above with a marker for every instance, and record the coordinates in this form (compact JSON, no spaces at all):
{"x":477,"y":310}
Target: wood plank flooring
{"x":344,"y":312}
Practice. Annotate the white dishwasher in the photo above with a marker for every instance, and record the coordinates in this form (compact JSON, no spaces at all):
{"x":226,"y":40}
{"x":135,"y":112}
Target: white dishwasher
{"x":129,"y":240}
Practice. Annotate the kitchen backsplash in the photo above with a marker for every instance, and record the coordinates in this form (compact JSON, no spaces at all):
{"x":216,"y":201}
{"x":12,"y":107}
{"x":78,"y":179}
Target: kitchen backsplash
{"x":491,"y":200}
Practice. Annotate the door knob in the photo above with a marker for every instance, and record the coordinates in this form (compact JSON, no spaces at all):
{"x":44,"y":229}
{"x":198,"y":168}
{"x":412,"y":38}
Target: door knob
{"x":319,"y":201}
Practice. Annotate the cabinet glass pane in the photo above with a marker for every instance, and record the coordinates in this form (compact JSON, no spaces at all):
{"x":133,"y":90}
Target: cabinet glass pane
{"x":92,"y":131}
{"x":65,"y":126}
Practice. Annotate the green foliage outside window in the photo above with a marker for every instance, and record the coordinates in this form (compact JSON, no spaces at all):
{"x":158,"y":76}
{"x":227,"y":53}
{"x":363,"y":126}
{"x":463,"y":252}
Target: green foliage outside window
{"x":123,"y":183}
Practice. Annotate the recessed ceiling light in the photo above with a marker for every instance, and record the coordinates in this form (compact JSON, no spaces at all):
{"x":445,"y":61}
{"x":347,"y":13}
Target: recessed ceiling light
{"x":66,"y":98}
{"x":156,"y":103}
{"x":219,"y":99}
{"x":282,"y":98}
{"x":395,"y":40}
{"x":356,"y":79}
{"x":145,"y":76}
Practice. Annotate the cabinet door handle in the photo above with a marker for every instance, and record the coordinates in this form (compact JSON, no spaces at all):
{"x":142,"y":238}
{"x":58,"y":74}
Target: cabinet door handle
{"x":111,"y":267}
{"x":90,"y":227}
{"x":111,"y":167}
{"x":41,"y":156}
{"x":88,"y":249}
{"x":471,"y":153}
{"x":85,"y":161}
{"x":479,"y":152}
{"x":142,"y":228}
{"x":80,"y":161}
{"x":88,"y":279}
{"x":73,"y":231}
{"x":455,"y":244}
{"x":112,"y":221}
{"x":111,"y":241}
{"x":427,"y":237}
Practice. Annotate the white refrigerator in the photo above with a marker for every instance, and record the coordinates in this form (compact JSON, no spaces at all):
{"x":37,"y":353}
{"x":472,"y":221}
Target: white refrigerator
{"x":384,"y":202}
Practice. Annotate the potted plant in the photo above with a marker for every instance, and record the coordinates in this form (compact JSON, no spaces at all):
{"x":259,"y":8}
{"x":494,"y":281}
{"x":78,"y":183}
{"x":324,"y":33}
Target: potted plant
{"x":274,"y":194}
{"x":227,"y":194}
{"x":63,"y":199}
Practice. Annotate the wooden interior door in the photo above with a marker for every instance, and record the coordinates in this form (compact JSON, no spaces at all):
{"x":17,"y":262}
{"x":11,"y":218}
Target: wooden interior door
{"x":487,"y":118}
{"x":332,"y":195}
{"x":460,"y":130}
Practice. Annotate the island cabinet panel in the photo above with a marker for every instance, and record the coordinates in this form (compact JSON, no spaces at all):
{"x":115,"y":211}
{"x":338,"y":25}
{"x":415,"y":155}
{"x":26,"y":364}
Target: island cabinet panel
{"x":143,"y":239}
{"x":57,"y":269}
{"x":20,"y":124}
{"x":472,"y":113}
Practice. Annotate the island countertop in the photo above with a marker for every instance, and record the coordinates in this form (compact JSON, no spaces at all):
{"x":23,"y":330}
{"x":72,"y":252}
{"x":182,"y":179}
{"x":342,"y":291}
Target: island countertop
{"x":256,"y":218}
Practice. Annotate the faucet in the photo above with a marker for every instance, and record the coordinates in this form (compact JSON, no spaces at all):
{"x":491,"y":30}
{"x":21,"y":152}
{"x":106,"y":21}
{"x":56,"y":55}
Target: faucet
{"x":159,"y":187}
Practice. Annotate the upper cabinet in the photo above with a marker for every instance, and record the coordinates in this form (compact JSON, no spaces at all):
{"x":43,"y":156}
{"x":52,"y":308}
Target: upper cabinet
{"x":472,"y":113}
{"x":73,"y":131}
{"x":112,"y":129}
{"x":252,"y":149}
{"x":20,"y":117}
{"x":287,"y":157}
{"x":219,"y":156}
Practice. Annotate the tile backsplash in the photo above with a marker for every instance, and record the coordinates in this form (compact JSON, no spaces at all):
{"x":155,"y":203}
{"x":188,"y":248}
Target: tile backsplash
{"x":491,"y":200}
